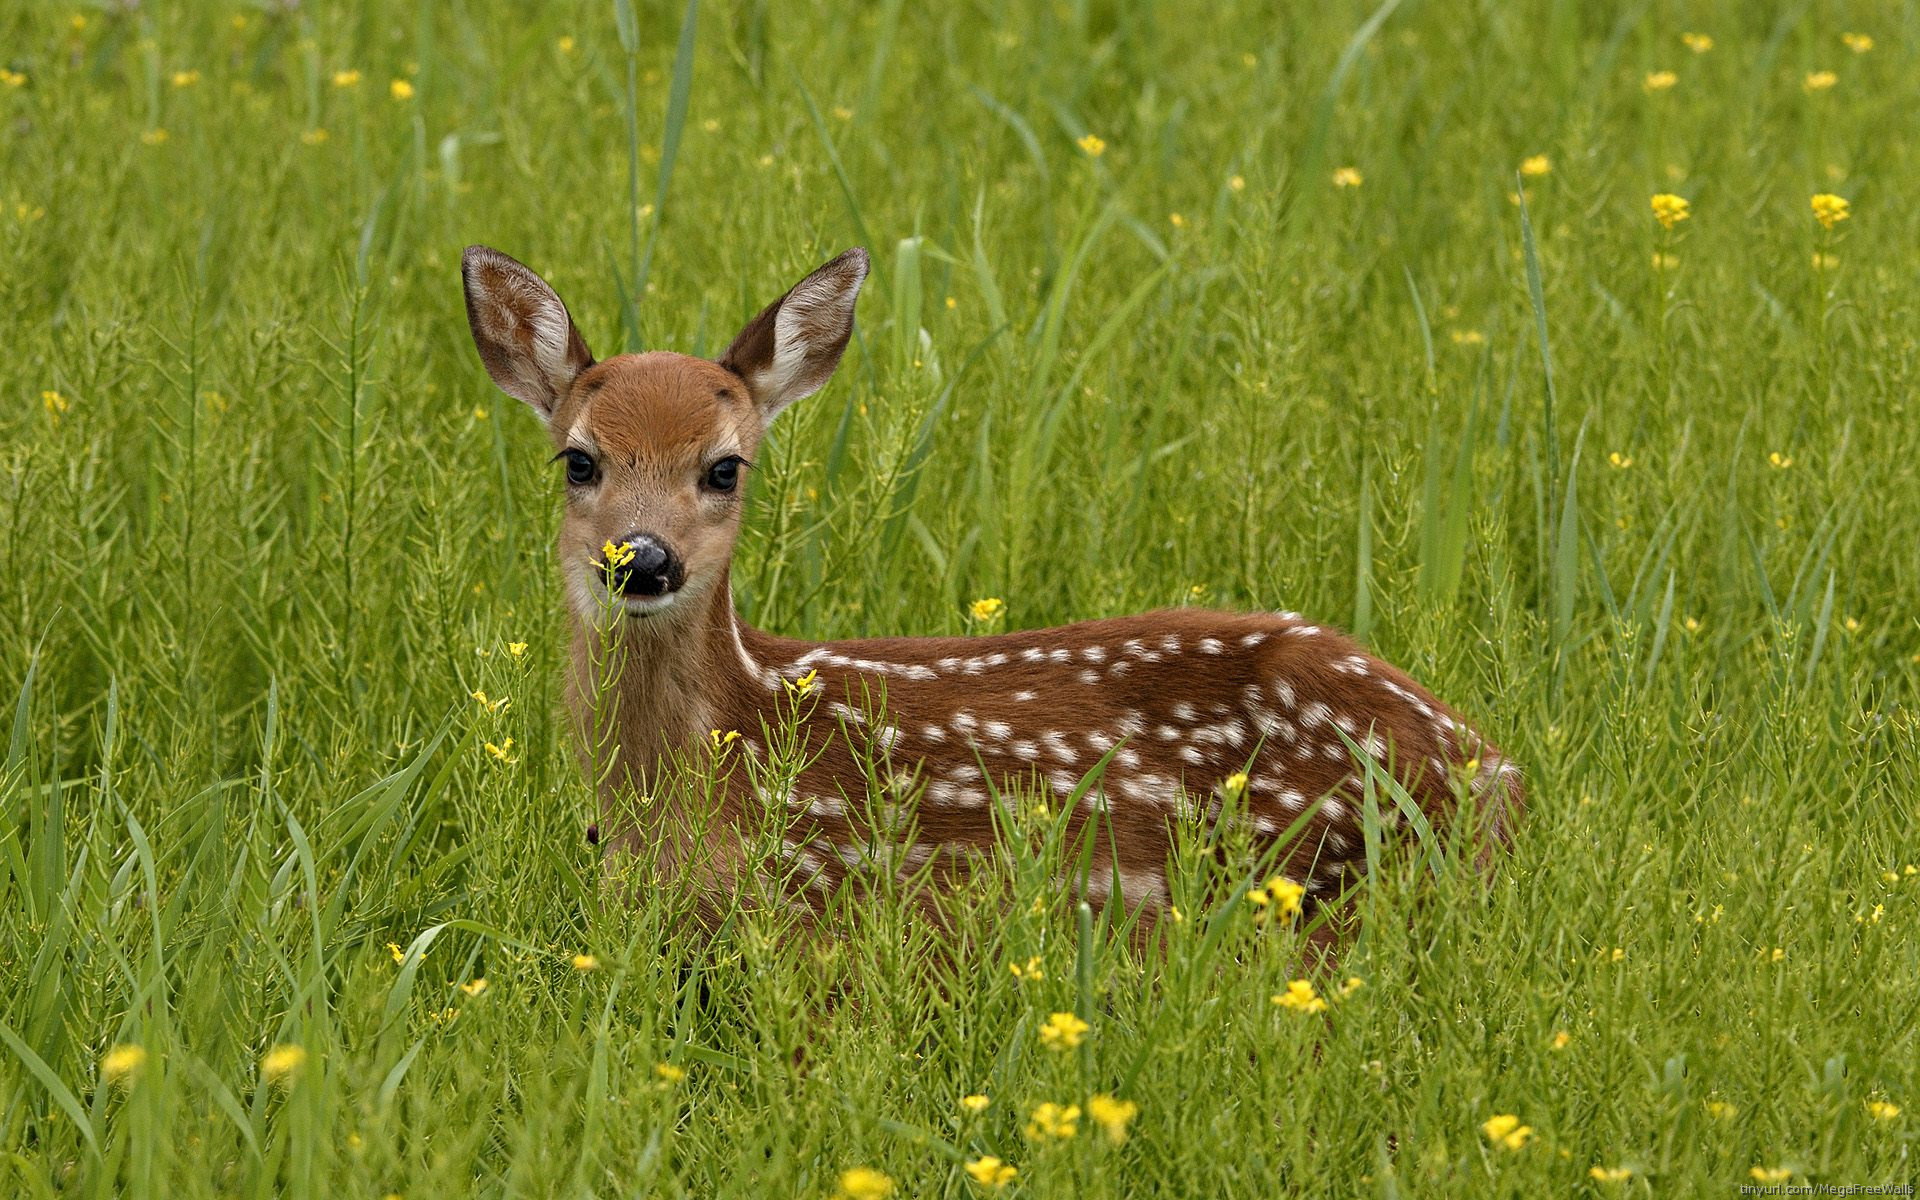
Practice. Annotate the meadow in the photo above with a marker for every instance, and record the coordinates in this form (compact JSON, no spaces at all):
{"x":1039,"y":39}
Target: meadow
{"x":1375,"y":313}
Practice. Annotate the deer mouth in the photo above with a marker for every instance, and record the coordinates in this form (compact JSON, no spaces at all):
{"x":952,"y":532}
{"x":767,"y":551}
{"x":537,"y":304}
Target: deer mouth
{"x":647,"y":606}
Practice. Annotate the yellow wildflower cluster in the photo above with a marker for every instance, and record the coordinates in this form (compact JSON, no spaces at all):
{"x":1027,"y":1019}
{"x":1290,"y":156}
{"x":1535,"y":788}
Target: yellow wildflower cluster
{"x":990,"y":608}
{"x":282,"y":1064}
{"x":121,"y":1064}
{"x":1699,"y":43}
{"x":1535,"y":165}
{"x":1063,"y":1031}
{"x":864,"y":1183}
{"x":1505,"y":1131}
{"x":1093,"y":145}
{"x":1113,"y":1116}
{"x":1830,"y":210}
{"x":1053,"y":1122}
{"x":1819,"y":81}
{"x":1348,"y":177}
{"x":1659,"y":81}
{"x":1859,"y":43}
{"x":1278,"y":899}
{"x":1301,"y":996}
{"x":1032,"y":971}
{"x":1670,"y":210}
{"x":990,"y":1172}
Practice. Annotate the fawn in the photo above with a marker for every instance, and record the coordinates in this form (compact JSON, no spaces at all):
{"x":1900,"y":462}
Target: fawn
{"x":1179,"y":710}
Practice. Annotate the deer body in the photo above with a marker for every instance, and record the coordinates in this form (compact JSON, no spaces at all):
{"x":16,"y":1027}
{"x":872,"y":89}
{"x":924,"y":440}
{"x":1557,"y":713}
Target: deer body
{"x":1177,"y":711}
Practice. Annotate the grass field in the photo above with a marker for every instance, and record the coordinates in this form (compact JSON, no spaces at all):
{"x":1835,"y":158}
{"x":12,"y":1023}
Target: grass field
{"x":1241,"y":311}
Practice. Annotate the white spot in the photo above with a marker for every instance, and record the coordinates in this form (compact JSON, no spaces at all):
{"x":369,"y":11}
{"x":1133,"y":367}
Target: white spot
{"x":1024,"y":749}
{"x":1167,"y":733}
{"x":1128,"y":758}
{"x":1184,"y":712}
{"x":1347,"y":725}
{"x":1304,"y":631}
{"x":812,"y":656}
{"x":1093,"y":654}
{"x":1211,"y":645}
{"x":1033,"y":654}
{"x":1313,"y":714}
{"x":1130,"y":725}
{"x":948,"y":664}
{"x":1291,"y":800}
{"x":1057,"y":746}
{"x":827,"y":806}
{"x":1171,"y":643}
{"x":1101,"y":742}
{"x":1118,"y":667}
{"x":1060,"y":655}
{"x":1025,"y":694}
{"x":964,"y":721}
{"x":1192,"y":754}
{"x":850,"y":715}
{"x":1252,"y":639}
{"x":933,"y":733}
{"x":999,"y":731}
{"x":1089,"y":676}
{"x":1283,"y":692}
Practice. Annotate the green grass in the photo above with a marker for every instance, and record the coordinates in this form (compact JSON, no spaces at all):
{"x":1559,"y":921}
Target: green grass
{"x":277,"y":526}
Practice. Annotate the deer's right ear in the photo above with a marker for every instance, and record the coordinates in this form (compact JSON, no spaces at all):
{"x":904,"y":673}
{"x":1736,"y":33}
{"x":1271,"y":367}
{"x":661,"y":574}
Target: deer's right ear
{"x":522,"y":330}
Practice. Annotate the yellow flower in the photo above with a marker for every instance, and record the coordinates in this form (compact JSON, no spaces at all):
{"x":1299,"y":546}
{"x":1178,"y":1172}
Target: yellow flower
{"x":839,"y":110}
{"x":1063,"y":1031}
{"x":585,"y":962}
{"x":1300,"y":997}
{"x":1859,"y":43}
{"x":1112,"y":1115}
{"x":1819,"y":81}
{"x":1619,"y":461}
{"x":121,"y":1064}
{"x":399,"y":955}
{"x":1779,"y":461}
{"x":346,"y":79}
{"x":1348,"y":177}
{"x":1235,"y":785}
{"x":503,"y":752}
{"x":1093,"y":145}
{"x":1279,"y":898}
{"x":1611,"y":1174}
{"x":1670,"y":210}
{"x":154,"y":137}
{"x":1350,"y":985}
{"x":864,"y":1183}
{"x":1032,"y":972}
{"x":315,"y":137}
{"x":992,"y":608}
{"x":1506,"y":1131}
{"x":565,"y":45}
{"x":1665,"y":262}
{"x":516,"y":648}
{"x":1561,"y":1039}
{"x":1467,"y":337}
{"x":1825,"y":262}
{"x":1536,"y":165}
{"x":282,"y":1063}
{"x":1238,"y":183}
{"x":1770,"y":1174}
{"x":491,"y":706}
{"x":670,"y":1073}
{"x":616,"y":556}
{"x":400,"y":89}
{"x":1882,"y":1110}
{"x":54,"y":403}
{"x":1054,"y":1121}
{"x":975,"y":1103}
{"x":185,"y":79}
{"x":1699,"y":43}
{"x":475,"y":986}
{"x":990,"y":1172}
{"x":1720,"y":1110}
{"x":1829,"y":209}
{"x":1659,"y":81}
{"x":1176,"y":220}
{"x":13,"y":79}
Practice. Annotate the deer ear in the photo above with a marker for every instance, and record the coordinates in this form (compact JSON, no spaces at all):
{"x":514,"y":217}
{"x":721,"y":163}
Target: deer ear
{"x":523,"y":332}
{"x":789,"y":350}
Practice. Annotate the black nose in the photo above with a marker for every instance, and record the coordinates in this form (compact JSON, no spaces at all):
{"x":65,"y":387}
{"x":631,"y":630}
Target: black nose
{"x":652,"y":569}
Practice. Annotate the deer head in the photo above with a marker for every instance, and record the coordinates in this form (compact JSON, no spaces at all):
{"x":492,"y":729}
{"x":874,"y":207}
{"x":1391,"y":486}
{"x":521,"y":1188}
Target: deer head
{"x":653,"y":446}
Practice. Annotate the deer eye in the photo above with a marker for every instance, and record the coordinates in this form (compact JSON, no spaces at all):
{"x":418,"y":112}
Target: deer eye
{"x":580,"y":468}
{"x":724,"y":476}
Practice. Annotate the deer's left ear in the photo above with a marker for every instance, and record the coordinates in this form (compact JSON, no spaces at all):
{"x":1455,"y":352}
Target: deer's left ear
{"x":790,"y":350}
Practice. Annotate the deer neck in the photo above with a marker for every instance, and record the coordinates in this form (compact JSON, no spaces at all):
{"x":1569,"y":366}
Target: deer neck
{"x":671,"y":680}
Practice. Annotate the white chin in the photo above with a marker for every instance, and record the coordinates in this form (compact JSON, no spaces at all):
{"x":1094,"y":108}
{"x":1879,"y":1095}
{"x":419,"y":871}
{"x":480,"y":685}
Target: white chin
{"x":646,"y":606}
